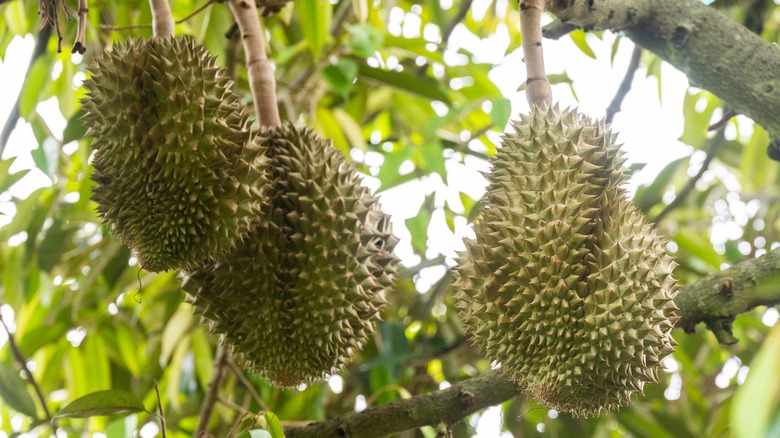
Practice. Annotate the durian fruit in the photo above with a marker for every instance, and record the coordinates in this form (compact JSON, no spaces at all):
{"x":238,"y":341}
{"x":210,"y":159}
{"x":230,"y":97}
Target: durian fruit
{"x":304,"y":291}
{"x":177,"y":175}
{"x":566,"y":286}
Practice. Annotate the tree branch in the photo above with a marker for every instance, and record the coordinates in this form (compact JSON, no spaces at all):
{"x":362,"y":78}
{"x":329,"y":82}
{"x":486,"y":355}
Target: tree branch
{"x":715,"y":300}
{"x":715,"y":53}
{"x":537,"y":86}
{"x":213,"y":392}
{"x":162,"y":19}
{"x":625,"y":85}
{"x":261,"y":75}
{"x":449,"y":406}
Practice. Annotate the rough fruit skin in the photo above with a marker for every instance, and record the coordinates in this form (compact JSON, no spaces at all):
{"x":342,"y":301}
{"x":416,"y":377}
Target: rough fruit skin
{"x":178,"y":177}
{"x":566,"y":285}
{"x":304,"y":291}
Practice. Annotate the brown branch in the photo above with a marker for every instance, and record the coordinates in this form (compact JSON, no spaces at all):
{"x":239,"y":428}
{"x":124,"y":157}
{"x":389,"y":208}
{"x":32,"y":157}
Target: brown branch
{"x":538,"y":90}
{"x":449,"y":405}
{"x":712,"y":150}
{"x":715,"y":300}
{"x":625,"y":85}
{"x":22,"y":362}
{"x":557,"y":29}
{"x":261,"y":75}
{"x":715,"y":52}
{"x":210,"y":398}
{"x":160,"y":408}
{"x":162,"y":19}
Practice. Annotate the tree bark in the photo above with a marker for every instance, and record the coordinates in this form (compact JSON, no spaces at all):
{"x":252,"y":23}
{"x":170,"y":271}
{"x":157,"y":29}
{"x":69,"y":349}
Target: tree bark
{"x":715,"y":300}
{"x":715,"y":52}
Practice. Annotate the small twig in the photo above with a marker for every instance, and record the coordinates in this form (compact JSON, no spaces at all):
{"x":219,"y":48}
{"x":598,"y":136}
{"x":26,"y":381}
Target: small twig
{"x":213,"y":391}
{"x":245,"y":381}
{"x":22,"y":362}
{"x":712,"y":149}
{"x":160,"y":408}
{"x":80,"y":46}
{"x":625,"y":85}
{"x":238,"y":408}
{"x":538,"y":90}
{"x":557,"y":29}
{"x":723,"y":120}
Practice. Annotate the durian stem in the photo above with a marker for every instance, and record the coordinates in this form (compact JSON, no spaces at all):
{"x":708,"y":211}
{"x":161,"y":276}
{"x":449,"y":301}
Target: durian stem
{"x":537,"y":86}
{"x":261,"y":75}
{"x":162,"y":19}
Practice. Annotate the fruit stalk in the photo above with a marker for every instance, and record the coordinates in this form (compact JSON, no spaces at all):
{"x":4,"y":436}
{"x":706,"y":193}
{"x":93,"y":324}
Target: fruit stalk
{"x":261,"y":76}
{"x":537,"y":87}
{"x":162,"y":19}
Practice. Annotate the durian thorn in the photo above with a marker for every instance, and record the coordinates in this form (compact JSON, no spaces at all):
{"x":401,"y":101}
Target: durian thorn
{"x":261,"y":76}
{"x":537,"y":88}
{"x":162,"y":19}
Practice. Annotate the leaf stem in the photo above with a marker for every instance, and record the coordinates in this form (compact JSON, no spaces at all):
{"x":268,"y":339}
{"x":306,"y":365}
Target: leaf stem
{"x":159,"y":406}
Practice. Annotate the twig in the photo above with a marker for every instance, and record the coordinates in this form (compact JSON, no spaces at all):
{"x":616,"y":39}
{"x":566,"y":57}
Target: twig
{"x":22,"y":362}
{"x":213,"y":391}
{"x":557,"y":29}
{"x":712,"y":149}
{"x":245,"y":381}
{"x":723,"y":120}
{"x":261,"y":75}
{"x":238,"y":408}
{"x":80,"y":46}
{"x":162,"y":19}
{"x":625,"y":85}
{"x":538,"y":90}
{"x":41,"y":42}
{"x":160,"y":408}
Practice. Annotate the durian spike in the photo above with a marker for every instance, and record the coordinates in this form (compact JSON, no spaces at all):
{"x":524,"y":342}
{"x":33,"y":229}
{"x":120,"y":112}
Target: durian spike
{"x":162,"y":19}
{"x":537,"y":86}
{"x":261,"y":76}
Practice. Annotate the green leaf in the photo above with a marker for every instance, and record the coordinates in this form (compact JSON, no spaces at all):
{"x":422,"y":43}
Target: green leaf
{"x":274,"y":425}
{"x":107,"y":402}
{"x":34,"y":85}
{"x":578,"y":37}
{"x":13,"y":390}
{"x":341,"y":75}
{"x":259,"y":433}
{"x":366,"y":39}
{"x":615,"y":46}
{"x":75,"y":129}
{"x":314,"y":17}
{"x":46,"y":156}
{"x":423,"y":86}
{"x":757,"y":401}
{"x":418,"y":226}
{"x":500,"y":112}
{"x":648,"y":196}
{"x":9,"y":179}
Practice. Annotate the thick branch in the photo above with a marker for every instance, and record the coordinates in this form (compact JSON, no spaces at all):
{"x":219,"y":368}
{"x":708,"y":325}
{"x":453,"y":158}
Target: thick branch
{"x":449,"y":405}
{"x":716,"y":53}
{"x":537,"y":86}
{"x":261,"y":75}
{"x":162,"y":19}
{"x":715,"y":299}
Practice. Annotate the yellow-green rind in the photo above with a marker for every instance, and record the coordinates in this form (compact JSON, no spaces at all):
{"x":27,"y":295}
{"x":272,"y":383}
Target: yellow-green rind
{"x":305,"y":289}
{"x":177,"y":177}
{"x":566,"y":285}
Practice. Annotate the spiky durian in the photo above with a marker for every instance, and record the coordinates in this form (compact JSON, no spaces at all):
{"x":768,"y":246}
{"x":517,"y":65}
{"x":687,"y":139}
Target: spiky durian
{"x":178,"y":178}
{"x":566,"y":285}
{"x":303,"y":292}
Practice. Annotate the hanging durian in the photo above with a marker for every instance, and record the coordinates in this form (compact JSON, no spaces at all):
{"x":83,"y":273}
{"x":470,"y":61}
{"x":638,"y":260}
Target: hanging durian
{"x":303,"y":292}
{"x":566,"y":286}
{"x":178,"y":178}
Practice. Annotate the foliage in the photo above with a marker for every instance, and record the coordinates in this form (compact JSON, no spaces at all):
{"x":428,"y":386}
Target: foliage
{"x":376,"y":79}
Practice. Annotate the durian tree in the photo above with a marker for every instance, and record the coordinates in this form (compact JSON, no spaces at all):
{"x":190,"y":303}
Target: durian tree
{"x":196,"y":205}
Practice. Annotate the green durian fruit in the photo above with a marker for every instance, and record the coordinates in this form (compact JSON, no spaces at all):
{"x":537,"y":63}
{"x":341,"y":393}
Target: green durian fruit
{"x":566,"y":286}
{"x":177,"y":175}
{"x":304,"y":291}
